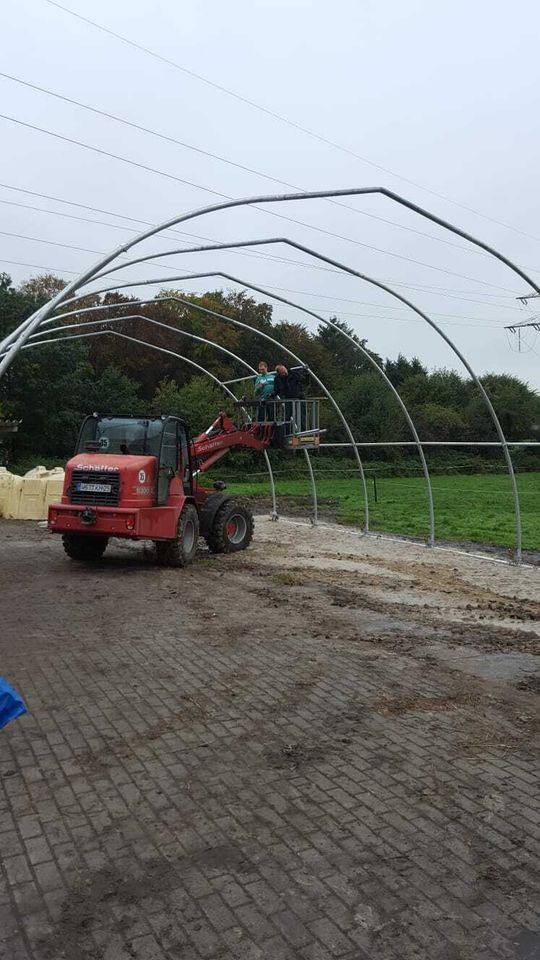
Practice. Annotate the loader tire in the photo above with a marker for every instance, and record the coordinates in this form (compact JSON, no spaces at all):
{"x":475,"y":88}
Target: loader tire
{"x":87,"y":549}
{"x":181,"y":551}
{"x":232,"y":529}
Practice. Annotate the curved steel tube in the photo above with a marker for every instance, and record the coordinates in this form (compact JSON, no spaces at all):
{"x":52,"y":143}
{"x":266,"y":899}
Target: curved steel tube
{"x":132,"y":316}
{"x":76,"y":284}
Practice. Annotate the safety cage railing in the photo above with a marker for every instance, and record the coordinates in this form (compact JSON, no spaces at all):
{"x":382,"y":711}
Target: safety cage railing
{"x":296,"y":421}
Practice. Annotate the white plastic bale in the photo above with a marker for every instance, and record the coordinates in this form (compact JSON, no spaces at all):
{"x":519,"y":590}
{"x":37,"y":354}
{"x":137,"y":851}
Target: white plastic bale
{"x":54,"y":488}
{"x":13,"y":499}
{"x":6,"y":482}
{"x":28,"y":497}
{"x":32,"y":498}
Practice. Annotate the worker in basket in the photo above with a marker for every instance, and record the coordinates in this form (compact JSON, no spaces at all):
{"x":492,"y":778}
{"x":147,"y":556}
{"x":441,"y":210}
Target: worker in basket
{"x":264,"y":390}
{"x":289,"y":386}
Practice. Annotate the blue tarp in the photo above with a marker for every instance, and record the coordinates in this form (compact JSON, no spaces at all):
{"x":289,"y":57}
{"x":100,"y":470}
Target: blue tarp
{"x":11,"y":704}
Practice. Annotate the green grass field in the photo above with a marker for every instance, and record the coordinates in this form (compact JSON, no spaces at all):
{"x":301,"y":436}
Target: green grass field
{"x":478,"y":508}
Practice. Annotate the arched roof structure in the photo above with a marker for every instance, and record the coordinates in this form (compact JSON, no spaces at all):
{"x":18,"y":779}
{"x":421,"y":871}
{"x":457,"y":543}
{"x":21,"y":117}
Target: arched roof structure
{"x":17,"y":339}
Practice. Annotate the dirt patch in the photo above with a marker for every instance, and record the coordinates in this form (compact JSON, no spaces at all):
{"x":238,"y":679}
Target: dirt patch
{"x":192,"y":711}
{"x":531,"y":683}
{"x":488,"y":740}
{"x":108,"y":896}
{"x":96,"y":899}
{"x":399,"y":704}
{"x":291,"y":756}
{"x":92,"y":764}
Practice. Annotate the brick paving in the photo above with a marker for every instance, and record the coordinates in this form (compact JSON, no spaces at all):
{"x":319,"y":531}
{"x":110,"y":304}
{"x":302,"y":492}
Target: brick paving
{"x":207,"y":772}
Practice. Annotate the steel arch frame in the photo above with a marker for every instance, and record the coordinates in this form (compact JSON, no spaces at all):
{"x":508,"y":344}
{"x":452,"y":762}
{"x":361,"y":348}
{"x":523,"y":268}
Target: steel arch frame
{"x":245,"y":201}
{"x":16,"y":340}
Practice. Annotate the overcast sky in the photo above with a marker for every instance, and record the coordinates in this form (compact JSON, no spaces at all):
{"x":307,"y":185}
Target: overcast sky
{"x":442,"y":94}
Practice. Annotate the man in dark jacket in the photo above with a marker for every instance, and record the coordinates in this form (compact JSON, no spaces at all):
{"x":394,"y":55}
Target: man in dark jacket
{"x":289,"y":385}
{"x":281,"y":382}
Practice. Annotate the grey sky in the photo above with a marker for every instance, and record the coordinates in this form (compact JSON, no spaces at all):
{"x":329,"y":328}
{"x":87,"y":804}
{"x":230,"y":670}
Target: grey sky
{"x":443,"y":94}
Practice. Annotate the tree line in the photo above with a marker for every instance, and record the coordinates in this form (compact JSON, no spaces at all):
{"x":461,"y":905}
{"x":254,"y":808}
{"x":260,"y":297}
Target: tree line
{"x":51,"y":388}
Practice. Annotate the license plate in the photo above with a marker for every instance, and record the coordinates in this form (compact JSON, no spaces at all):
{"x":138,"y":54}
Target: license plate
{"x":94,"y":487}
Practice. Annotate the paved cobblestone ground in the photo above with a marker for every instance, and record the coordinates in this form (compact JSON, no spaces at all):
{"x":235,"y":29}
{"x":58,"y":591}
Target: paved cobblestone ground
{"x":285,"y":754}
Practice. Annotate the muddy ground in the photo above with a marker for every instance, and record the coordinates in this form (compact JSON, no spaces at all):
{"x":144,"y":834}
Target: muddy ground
{"x":323,"y":747}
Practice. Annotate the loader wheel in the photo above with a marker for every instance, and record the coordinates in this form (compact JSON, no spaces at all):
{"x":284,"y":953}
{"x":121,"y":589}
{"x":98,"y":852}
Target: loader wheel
{"x":232,"y":528}
{"x":88,"y":549}
{"x":181,"y":551}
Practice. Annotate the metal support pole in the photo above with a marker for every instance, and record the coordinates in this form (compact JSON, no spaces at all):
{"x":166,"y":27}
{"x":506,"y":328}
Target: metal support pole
{"x":435,"y":443}
{"x":315,"y":517}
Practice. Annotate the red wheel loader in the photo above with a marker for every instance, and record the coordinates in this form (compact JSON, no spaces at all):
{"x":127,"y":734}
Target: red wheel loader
{"x":138,"y":478}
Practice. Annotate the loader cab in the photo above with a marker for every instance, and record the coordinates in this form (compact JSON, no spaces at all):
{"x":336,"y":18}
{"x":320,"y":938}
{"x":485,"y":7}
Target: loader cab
{"x":165,"y":438}
{"x":174,"y":457}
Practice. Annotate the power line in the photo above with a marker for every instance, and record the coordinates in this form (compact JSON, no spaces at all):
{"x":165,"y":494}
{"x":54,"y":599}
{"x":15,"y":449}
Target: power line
{"x":38,"y":266}
{"x":83,"y":206}
{"x":197,"y":186}
{"x":115,"y":156}
{"x":451,"y":323}
{"x":118,"y":226}
{"x":240,"y":166}
{"x":371,"y":303}
{"x":282,"y":119}
{"x":71,"y":246}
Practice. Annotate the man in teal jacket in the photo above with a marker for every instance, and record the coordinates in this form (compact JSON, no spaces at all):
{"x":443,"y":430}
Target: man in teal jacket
{"x":264,"y":388}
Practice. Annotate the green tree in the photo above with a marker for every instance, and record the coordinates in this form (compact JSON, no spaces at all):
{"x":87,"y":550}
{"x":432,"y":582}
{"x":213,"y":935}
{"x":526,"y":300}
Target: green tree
{"x":167,"y":399}
{"x":113,"y":392}
{"x":200,"y":403}
{"x":345,"y":357}
{"x":45,"y":389}
{"x":434,"y":421}
{"x":516,"y":405}
{"x":402,"y":369}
